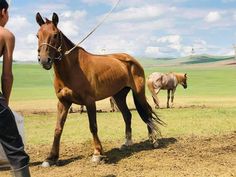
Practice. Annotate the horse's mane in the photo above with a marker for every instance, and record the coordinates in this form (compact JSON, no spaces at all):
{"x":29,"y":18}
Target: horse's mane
{"x":68,"y":41}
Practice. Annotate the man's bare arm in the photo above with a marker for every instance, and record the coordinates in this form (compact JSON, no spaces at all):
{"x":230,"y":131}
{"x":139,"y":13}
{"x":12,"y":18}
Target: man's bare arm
{"x":7,"y":76}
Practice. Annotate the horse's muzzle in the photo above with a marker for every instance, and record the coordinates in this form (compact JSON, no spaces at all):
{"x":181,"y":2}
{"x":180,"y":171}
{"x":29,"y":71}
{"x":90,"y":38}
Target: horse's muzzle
{"x":46,"y":63}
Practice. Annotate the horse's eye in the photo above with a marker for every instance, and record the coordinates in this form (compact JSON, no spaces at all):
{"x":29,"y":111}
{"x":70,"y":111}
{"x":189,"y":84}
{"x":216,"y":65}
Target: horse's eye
{"x":37,"y":36}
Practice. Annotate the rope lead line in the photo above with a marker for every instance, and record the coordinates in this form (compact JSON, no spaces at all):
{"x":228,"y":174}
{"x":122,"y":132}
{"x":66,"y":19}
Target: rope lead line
{"x":99,"y":24}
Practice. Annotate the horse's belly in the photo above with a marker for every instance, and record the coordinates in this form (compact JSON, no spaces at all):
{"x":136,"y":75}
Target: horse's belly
{"x":110,"y":89}
{"x":110,"y":81}
{"x":107,"y":93}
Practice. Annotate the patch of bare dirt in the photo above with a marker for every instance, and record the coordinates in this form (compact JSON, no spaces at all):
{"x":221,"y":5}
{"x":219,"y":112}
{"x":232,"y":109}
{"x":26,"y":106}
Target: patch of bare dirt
{"x":189,"y":156}
{"x":232,"y":63}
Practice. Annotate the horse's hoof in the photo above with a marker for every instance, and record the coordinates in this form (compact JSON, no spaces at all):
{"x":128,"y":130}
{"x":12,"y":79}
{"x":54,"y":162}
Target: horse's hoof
{"x":47,"y":164}
{"x":156,"y":144}
{"x":98,"y":159}
{"x":123,"y":147}
{"x":129,"y":143}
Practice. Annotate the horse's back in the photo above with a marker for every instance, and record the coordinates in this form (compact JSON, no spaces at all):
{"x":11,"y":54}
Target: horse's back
{"x":163,"y":81}
{"x":155,"y":76}
{"x":108,"y":74}
{"x":116,"y":57}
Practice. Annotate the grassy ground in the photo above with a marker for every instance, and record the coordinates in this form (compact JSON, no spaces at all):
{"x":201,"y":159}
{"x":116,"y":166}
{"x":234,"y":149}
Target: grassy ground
{"x":201,"y":121}
{"x":206,"y":107}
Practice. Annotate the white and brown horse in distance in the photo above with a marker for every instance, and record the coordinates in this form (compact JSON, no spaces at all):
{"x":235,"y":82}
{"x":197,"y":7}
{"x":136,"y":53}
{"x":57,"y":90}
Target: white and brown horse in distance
{"x":169,"y":81}
{"x":84,"y":78}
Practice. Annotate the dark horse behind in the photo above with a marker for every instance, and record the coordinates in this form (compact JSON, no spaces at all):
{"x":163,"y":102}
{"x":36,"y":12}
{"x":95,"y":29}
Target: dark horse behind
{"x":83,"y":78}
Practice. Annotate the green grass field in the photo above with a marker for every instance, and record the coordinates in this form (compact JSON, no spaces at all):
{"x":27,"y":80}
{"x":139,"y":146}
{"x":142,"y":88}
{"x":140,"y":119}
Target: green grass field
{"x":206,"y":107}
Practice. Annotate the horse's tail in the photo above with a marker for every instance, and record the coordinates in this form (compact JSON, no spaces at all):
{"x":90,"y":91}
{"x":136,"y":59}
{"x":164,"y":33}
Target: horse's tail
{"x":147,"y":114}
{"x":150,"y":85}
{"x":151,"y":88}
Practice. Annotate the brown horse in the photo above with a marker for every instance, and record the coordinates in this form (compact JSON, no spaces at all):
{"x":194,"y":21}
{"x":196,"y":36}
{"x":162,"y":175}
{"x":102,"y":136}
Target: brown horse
{"x":83,"y":78}
{"x":157,"y":81}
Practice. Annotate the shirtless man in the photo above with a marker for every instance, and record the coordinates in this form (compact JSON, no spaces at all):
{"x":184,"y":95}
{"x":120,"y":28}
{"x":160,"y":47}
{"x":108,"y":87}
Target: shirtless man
{"x":9,"y":136}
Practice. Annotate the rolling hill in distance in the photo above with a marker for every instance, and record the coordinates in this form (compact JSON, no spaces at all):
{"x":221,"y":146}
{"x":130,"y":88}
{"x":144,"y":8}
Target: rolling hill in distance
{"x":193,"y":60}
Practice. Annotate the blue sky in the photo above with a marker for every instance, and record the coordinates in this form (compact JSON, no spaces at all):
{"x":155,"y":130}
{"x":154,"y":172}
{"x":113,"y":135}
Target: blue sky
{"x":150,"y":28}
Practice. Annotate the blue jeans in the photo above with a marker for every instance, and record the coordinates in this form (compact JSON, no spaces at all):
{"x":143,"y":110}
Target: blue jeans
{"x":10,"y":138}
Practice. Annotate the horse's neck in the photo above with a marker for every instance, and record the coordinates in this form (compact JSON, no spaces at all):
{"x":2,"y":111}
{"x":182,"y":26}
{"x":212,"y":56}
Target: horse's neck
{"x":67,"y":44}
{"x":62,"y":67}
{"x":179,"y":77}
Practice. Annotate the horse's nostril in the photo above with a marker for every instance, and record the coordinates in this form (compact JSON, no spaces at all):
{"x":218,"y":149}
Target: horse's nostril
{"x":49,"y":60}
{"x":38,"y":58}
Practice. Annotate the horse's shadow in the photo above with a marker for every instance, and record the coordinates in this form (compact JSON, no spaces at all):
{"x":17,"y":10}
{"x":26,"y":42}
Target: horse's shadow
{"x":59,"y":163}
{"x":116,"y":154}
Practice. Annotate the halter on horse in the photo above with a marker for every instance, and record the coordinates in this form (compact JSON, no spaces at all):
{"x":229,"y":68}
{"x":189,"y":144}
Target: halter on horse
{"x":83,"y":78}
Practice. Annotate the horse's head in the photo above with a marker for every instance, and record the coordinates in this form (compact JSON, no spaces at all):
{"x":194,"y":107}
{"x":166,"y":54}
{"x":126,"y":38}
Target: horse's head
{"x":49,"y":41}
{"x":184,"y":81}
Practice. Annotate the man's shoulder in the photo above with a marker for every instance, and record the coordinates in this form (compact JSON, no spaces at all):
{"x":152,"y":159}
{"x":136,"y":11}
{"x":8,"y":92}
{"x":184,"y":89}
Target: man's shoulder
{"x":6,"y":34}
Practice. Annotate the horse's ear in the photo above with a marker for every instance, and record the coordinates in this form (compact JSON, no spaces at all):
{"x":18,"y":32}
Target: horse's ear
{"x":55,"y":19}
{"x":39,"y":19}
{"x":185,"y":75}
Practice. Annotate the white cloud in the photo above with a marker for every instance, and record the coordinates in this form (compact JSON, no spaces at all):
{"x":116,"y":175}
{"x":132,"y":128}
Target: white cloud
{"x":140,"y":13}
{"x":152,"y":51}
{"x":213,"y":16}
{"x":164,"y":46}
{"x":146,"y":26}
{"x":99,"y":1}
{"x":229,"y":53}
{"x":186,"y":51}
{"x":71,"y":23}
{"x":173,"y":39}
{"x":75,"y":15}
{"x":112,"y":2}
{"x":69,"y":28}
{"x":18,"y":23}
{"x":25,"y":55}
{"x":112,"y":44}
{"x":31,"y":39}
{"x":48,"y":8}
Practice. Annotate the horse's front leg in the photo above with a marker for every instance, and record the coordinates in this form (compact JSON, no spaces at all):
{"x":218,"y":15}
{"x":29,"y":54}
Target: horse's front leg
{"x":98,"y":151}
{"x":62,"y":111}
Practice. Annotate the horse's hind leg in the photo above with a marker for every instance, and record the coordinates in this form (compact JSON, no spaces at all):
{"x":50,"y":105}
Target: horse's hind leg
{"x":120,"y":99}
{"x":168,"y":98}
{"x":62,"y":111}
{"x":155,"y":98}
{"x":172,"y":97}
